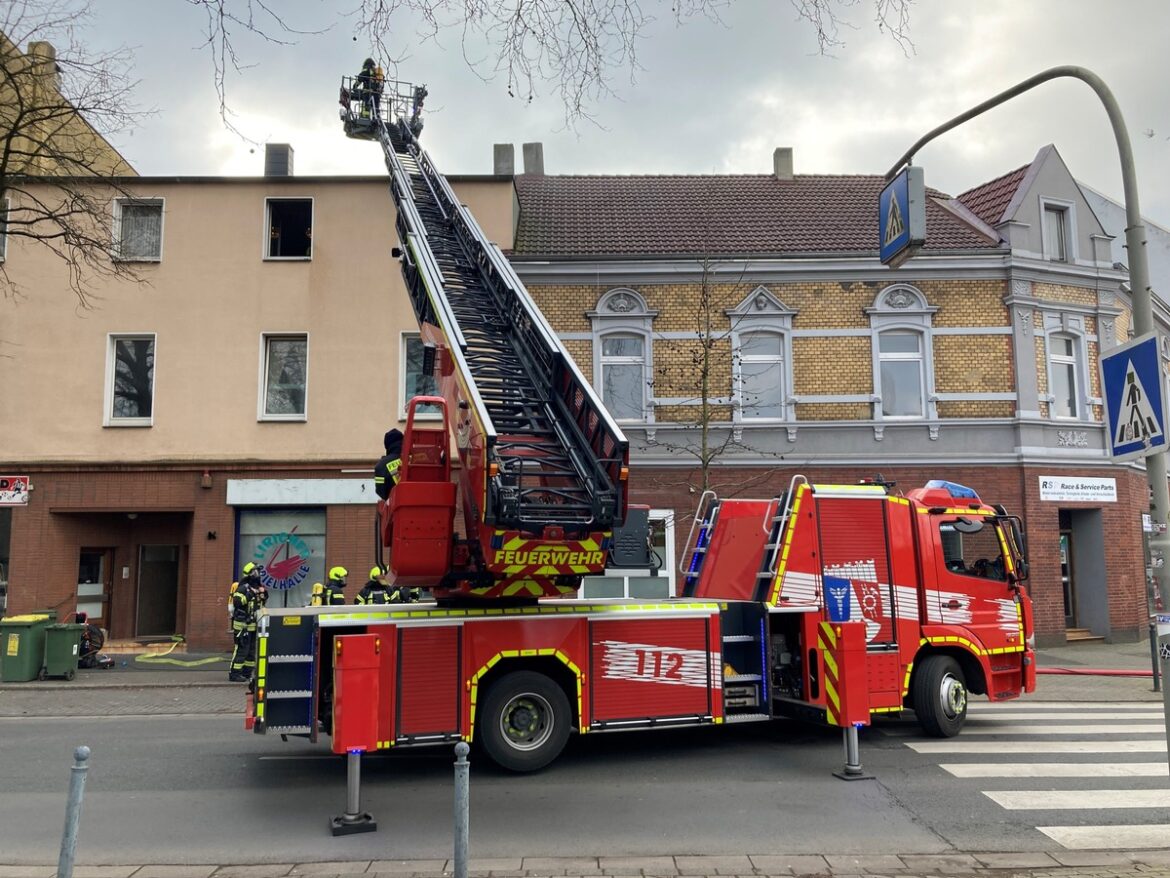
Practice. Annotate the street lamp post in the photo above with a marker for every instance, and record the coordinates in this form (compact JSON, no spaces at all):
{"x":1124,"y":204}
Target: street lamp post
{"x":1139,"y":279}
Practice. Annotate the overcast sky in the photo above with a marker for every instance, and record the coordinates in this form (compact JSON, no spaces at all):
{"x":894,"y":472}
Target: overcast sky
{"x":712,"y":98}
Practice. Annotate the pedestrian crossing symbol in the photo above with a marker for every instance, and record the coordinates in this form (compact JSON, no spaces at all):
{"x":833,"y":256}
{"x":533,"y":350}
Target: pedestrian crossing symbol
{"x":1135,"y":399}
{"x":895,"y":227}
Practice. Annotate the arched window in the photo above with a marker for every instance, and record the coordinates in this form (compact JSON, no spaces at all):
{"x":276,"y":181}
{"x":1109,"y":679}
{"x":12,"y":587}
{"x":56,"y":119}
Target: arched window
{"x":761,"y":344}
{"x":903,"y":367}
{"x":1064,"y":379}
{"x":623,"y":355}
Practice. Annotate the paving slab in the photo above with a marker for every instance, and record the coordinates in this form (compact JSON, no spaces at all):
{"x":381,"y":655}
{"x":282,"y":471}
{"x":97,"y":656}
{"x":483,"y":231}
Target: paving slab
{"x":337,"y":867}
{"x":732,"y":865}
{"x":268,"y":870}
{"x":176,"y":871}
{"x":1028,"y":860}
{"x":843,"y":864}
{"x":28,"y":871}
{"x":561,"y":865}
{"x":943,"y":863}
{"x":103,"y":871}
{"x":1092,"y":858}
{"x":407,"y":867}
{"x":638,"y":865}
{"x":796,"y":864}
{"x":491,"y":864}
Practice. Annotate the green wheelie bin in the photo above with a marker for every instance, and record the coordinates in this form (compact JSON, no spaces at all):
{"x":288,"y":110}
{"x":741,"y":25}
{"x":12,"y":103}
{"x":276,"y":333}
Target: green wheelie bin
{"x":62,"y":650}
{"x":22,"y":646}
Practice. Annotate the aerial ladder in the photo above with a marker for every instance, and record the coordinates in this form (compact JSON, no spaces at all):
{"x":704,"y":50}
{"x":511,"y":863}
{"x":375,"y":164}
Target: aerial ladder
{"x":543,"y":467}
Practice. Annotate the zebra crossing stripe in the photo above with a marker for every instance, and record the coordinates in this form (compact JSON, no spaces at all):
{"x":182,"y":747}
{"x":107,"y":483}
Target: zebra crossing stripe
{"x":1056,"y":729}
{"x":1075,"y":800}
{"x":1126,"y":838}
{"x":1055,"y":769}
{"x":1037,"y":746}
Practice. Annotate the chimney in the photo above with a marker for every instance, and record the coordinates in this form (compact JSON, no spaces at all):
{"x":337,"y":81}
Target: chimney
{"x":782,"y":163}
{"x":278,"y":160}
{"x":44,"y":62}
{"x":504,"y":159}
{"x":534,"y":158}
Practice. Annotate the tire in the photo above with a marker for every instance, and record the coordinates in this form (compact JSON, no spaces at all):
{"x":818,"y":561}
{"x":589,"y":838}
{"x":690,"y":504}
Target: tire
{"x":940,"y":696}
{"x":70,"y":674}
{"x":525,"y":721}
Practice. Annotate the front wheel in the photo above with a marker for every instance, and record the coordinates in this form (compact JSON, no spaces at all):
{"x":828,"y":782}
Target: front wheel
{"x":940,"y":696}
{"x":525,"y":721}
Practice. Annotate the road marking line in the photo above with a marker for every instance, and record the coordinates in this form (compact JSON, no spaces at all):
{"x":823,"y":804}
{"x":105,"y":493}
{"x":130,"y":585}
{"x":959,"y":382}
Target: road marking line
{"x":1095,"y":800}
{"x":1149,"y":835}
{"x":1054,"y":729}
{"x":985,"y":716}
{"x":1063,"y":705}
{"x":1056,"y":769}
{"x":1038,"y":747}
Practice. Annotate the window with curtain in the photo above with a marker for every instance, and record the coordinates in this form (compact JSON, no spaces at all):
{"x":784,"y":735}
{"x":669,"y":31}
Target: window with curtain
{"x":623,"y":376}
{"x":901,"y":372}
{"x":140,"y":230}
{"x":1056,"y":233}
{"x":1063,"y":385}
{"x":761,"y":374}
{"x":285,"y":376}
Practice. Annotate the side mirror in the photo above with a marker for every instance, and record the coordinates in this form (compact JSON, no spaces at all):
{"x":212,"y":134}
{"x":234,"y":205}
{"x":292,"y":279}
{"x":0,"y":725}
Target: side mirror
{"x":968,"y":525}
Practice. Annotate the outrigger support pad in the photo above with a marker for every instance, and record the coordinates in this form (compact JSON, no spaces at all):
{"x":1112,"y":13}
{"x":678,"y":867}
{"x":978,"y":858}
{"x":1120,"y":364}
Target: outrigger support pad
{"x":354,"y":820}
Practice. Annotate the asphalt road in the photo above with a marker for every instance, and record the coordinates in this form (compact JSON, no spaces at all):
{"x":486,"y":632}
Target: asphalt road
{"x":199,"y":789}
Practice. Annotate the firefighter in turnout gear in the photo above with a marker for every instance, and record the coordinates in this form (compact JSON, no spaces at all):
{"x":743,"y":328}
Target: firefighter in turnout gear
{"x":247,"y":597}
{"x":376,"y":591}
{"x":333,"y":594}
{"x":387,"y":467}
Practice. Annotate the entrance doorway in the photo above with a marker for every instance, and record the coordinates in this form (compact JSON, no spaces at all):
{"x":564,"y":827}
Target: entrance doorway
{"x":1082,"y":574}
{"x":1066,"y":578}
{"x":158,"y":591}
{"x":95,"y":580}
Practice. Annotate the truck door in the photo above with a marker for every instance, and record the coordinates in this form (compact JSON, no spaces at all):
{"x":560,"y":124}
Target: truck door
{"x":972,"y":587}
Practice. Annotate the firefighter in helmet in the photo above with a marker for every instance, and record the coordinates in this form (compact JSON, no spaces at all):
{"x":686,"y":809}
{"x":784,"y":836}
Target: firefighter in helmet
{"x":376,"y":591}
{"x":333,"y":594}
{"x":247,"y":598}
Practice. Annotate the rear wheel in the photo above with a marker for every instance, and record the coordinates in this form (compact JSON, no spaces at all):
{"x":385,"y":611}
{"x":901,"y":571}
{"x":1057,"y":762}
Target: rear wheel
{"x":940,"y":696}
{"x":525,"y":721}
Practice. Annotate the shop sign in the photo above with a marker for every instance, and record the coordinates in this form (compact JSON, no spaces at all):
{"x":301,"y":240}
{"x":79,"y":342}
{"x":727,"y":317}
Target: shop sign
{"x":13,"y":490}
{"x":284,"y":559}
{"x":1070,"y":489}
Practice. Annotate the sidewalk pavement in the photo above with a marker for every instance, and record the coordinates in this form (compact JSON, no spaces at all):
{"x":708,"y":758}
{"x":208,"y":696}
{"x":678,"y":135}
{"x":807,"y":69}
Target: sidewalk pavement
{"x":135,"y":687}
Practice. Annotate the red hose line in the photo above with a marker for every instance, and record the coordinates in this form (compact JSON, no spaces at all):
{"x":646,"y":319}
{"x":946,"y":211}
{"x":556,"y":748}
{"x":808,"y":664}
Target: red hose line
{"x":1094,"y":672}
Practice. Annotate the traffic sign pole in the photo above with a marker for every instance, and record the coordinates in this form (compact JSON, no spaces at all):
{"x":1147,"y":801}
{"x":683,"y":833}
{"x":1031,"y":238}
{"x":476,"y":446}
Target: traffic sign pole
{"x":1139,"y":279}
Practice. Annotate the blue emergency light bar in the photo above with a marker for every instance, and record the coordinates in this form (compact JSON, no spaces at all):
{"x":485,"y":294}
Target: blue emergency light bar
{"x":954,"y":489}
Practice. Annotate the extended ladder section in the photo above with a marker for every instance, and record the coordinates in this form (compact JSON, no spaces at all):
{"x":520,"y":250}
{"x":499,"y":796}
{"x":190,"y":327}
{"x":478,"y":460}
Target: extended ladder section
{"x":539,"y":450}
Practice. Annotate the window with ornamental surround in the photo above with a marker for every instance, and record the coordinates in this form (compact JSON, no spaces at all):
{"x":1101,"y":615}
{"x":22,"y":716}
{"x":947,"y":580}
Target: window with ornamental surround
{"x":903,"y":357}
{"x":1058,"y":230}
{"x":1065,"y":346}
{"x":130,"y":381}
{"x":284,"y":378}
{"x":138,"y":226}
{"x":623,"y":355}
{"x":761,"y":343}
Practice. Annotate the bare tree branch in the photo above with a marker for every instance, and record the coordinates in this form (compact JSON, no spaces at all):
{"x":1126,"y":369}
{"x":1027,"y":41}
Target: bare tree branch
{"x":59,"y":99}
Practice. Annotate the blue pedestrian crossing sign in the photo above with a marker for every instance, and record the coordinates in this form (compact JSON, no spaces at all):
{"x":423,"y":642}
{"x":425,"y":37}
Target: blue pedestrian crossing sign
{"x":902,"y":217}
{"x":1135,"y":399}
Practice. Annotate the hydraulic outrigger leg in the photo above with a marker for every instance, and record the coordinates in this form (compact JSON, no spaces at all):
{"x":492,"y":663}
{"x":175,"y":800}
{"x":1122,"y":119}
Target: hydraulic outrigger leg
{"x":354,"y":820}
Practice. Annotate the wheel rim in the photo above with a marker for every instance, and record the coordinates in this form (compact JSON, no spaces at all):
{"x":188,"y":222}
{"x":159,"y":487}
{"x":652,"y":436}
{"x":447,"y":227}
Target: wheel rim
{"x":952,"y":696}
{"x":526,"y":722}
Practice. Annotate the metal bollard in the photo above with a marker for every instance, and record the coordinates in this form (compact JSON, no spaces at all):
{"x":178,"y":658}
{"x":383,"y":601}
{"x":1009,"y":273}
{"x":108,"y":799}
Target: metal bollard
{"x":1154,"y":660}
{"x":73,"y":812}
{"x":462,"y":807}
{"x":853,"y":769}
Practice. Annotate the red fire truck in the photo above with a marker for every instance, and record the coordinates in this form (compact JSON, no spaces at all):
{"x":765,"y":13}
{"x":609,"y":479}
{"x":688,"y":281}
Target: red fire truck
{"x":840,"y":601}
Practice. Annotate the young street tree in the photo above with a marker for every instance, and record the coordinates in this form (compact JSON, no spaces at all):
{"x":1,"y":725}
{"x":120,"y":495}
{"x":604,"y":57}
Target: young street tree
{"x":58,"y":101}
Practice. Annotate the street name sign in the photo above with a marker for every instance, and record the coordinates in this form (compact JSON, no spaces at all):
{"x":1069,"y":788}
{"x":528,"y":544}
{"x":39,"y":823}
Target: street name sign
{"x":902,"y":217}
{"x":1135,"y":399}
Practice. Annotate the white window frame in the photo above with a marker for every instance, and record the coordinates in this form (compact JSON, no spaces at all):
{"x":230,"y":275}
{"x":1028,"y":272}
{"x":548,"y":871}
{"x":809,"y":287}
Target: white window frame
{"x":1075,"y":361}
{"x":613,"y":360}
{"x":267,"y":230}
{"x":119,"y":203}
{"x":668,"y":570}
{"x":262,"y":395}
{"x":108,"y":419}
{"x":902,"y":357}
{"x":761,"y":312}
{"x":623,"y":311}
{"x":1067,"y":210}
{"x":403,"y":400}
{"x":903,"y":308}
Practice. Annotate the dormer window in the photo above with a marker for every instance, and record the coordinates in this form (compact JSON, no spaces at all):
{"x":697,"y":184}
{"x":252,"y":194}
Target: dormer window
{"x":1058,"y":230}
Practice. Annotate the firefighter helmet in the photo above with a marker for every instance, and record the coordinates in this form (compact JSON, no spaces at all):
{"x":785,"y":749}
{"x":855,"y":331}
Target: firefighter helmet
{"x":248,"y":568}
{"x":376,"y":572}
{"x":338,"y":574}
